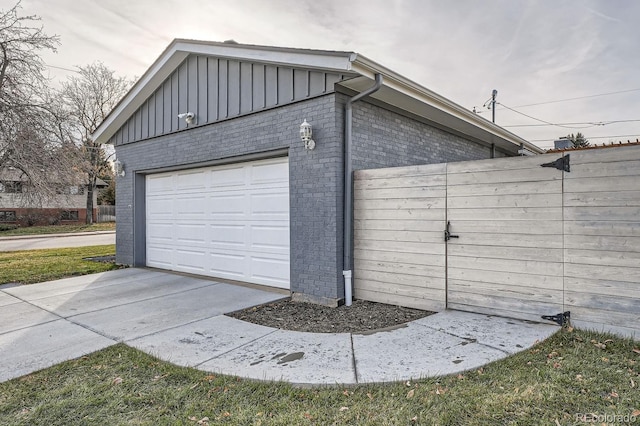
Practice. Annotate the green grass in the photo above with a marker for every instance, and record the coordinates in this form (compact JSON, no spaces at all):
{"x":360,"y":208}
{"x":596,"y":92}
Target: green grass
{"x":58,"y":229}
{"x":33,"y":266}
{"x":572,"y":372}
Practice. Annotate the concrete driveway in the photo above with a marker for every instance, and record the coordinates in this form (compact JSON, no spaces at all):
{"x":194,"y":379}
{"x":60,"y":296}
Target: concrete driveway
{"x":33,"y":242}
{"x":180,"y":319}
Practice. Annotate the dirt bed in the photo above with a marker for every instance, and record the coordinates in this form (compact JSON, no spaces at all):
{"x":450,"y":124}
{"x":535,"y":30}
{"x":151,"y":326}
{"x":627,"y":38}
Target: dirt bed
{"x":360,"y":317}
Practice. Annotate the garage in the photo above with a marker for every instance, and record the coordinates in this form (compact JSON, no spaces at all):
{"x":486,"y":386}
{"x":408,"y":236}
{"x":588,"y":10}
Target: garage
{"x":228,"y":221}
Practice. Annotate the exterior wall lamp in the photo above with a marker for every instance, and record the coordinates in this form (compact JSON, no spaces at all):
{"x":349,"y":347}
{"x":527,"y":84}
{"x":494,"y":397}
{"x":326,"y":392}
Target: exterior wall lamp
{"x":305,"y":135}
{"x":189,"y":117}
{"x":119,"y":168}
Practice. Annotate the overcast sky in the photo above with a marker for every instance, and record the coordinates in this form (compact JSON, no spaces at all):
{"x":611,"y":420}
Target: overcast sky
{"x":530,"y":51}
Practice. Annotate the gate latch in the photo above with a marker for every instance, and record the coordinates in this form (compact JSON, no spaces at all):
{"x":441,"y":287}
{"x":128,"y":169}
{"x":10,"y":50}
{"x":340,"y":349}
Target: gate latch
{"x":447,"y":233}
{"x":561,"y":319}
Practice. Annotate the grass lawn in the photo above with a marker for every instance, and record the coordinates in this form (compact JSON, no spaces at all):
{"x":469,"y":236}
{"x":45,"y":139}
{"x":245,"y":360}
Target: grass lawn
{"x":33,"y":266}
{"x":58,"y":229}
{"x":572,"y":372}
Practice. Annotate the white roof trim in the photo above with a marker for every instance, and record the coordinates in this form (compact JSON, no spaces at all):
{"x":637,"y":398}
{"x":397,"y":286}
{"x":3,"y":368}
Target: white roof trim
{"x":179,"y":49}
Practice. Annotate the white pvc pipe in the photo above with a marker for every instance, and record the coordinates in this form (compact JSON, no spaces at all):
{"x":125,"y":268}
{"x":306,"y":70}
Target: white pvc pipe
{"x":348,"y":298}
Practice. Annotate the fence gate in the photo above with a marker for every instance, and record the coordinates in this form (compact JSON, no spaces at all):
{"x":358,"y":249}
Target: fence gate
{"x":399,"y":250}
{"x":508,"y":259}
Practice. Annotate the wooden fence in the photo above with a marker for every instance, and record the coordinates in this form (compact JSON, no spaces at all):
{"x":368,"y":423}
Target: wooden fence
{"x":531,"y":240}
{"x":106,"y":214}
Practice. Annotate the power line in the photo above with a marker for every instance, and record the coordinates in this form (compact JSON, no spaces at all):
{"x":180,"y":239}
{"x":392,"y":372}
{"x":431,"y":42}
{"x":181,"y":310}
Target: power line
{"x":578,"y":98}
{"x":544,"y":121}
{"x":60,"y":68}
{"x":591,"y":123}
{"x":571,"y":99}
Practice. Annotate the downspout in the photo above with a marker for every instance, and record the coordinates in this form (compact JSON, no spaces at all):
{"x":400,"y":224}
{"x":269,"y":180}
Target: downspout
{"x":348,"y":188}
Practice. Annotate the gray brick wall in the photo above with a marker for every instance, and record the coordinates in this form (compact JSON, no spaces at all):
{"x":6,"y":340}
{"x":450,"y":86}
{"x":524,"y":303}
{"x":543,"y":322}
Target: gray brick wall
{"x":315,"y":181}
{"x":382,"y":138}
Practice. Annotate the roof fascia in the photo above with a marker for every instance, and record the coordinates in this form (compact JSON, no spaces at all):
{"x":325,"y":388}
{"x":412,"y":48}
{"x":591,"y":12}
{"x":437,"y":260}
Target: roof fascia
{"x":369,"y":69}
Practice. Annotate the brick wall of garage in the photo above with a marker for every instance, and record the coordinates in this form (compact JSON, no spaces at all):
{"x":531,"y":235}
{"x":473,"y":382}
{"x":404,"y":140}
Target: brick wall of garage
{"x":315,"y":181}
{"x":382,"y":138}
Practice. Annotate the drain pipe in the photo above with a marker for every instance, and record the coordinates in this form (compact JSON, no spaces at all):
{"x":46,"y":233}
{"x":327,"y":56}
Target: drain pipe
{"x":348,"y":188}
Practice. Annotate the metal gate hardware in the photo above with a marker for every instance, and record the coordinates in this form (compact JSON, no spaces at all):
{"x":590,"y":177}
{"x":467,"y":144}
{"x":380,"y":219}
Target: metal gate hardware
{"x":447,"y":234}
{"x":560,"y":164}
{"x":560,"y":319}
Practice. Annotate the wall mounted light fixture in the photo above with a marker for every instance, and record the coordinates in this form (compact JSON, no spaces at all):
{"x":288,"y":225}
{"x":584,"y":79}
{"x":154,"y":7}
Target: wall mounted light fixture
{"x":305,"y":134}
{"x":119,"y":168}
{"x":189,"y":117}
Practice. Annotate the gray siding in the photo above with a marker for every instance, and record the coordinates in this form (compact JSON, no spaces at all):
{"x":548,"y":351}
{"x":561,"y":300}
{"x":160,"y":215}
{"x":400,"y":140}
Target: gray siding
{"x":382,"y":138}
{"x":217,"y":89}
{"x":315,"y":183}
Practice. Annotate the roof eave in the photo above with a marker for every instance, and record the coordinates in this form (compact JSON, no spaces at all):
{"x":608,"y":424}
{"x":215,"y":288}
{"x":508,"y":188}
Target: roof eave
{"x":369,"y":69}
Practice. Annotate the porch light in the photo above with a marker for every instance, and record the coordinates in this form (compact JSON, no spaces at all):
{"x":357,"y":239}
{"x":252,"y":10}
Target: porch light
{"x":119,"y":168}
{"x":305,"y":135}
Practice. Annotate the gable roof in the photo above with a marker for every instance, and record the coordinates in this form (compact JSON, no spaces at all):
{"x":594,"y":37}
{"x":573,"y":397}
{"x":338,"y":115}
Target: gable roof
{"x":396,"y":91}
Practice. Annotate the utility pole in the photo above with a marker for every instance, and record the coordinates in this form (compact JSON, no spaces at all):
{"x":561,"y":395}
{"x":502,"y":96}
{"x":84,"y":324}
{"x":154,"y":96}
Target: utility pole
{"x":493,"y":105}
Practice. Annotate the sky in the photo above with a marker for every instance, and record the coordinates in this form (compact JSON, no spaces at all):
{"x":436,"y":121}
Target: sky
{"x":545,"y":52}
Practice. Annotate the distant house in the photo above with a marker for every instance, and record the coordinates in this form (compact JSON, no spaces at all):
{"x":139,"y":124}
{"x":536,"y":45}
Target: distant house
{"x":19,"y":204}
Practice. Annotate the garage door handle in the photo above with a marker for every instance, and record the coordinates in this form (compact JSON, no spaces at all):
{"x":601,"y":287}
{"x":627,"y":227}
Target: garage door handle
{"x":447,"y":233}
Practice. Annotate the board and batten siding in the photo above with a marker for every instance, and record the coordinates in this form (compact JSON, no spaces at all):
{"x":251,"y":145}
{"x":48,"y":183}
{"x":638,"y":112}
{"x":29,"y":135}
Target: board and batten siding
{"x":508,"y":258}
{"x":216,"y":89}
{"x":602,"y":239}
{"x":399,"y":251}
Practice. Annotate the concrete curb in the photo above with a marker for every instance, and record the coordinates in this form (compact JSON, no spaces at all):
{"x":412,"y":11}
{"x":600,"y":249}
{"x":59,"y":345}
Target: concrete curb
{"x":69,"y":234}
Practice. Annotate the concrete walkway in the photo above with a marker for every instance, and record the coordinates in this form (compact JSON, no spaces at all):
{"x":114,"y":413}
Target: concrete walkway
{"x":180,"y":319}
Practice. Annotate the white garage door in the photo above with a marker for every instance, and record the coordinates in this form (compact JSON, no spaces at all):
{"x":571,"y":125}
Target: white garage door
{"x":227,"y":221}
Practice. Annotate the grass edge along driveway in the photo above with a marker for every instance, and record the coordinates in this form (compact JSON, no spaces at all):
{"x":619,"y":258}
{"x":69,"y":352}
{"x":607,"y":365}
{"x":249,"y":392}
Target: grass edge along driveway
{"x":574,"y":377}
{"x":33,"y":266}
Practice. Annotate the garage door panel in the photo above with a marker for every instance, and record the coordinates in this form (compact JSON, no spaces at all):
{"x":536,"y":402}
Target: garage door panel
{"x":159,"y":257}
{"x":270,"y":173}
{"x":159,"y":184}
{"x":191,"y":180}
{"x":270,"y":238}
{"x":228,"y":177}
{"x":160,"y":208}
{"x":191,"y":234}
{"x":190,"y":260}
{"x":227,"y":265}
{"x":229,"y":221}
{"x":232,"y":235}
{"x":272,"y":270}
{"x":273,"y":205}
{"x":191,"y":206}
{"x":159,"y":233}
{"x":231,"y":206}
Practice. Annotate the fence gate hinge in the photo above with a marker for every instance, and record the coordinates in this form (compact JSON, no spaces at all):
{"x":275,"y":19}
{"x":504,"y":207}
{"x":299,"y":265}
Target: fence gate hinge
{"x":560,"y":164}
{"x":561,"y":319}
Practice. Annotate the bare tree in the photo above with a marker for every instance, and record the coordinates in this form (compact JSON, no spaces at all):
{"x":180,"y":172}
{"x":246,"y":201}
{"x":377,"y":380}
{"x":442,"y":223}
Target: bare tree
{"x":33,"y":144}
{"x":89,"y":97}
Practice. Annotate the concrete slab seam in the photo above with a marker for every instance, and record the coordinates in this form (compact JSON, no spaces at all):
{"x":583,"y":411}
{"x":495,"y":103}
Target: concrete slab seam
{"x":84,"y":289}
{"x":141,"y":300}
{"x":237,"y":347}
{"x":353,"y":359}
{"x":33,"y":325}
{"x":169,"y":328}
{"x":465,"y":338}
